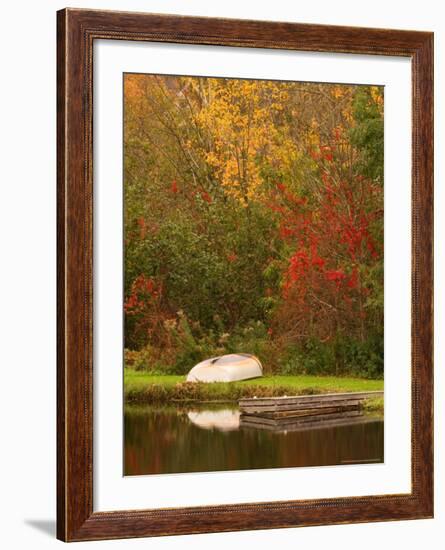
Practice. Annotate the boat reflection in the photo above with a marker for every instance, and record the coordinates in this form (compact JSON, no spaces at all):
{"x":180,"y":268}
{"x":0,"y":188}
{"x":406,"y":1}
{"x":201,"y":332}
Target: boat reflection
{"x":223,"y":420}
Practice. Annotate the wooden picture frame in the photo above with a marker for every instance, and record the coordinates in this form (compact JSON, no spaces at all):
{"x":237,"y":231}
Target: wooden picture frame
{"x":76,"y":32}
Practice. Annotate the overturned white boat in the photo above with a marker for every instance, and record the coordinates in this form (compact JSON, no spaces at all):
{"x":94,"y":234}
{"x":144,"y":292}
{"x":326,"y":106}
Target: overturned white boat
{"x":226,"y":368}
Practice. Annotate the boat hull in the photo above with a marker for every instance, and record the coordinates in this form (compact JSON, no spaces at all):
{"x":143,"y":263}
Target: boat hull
{"x":227,"y":368}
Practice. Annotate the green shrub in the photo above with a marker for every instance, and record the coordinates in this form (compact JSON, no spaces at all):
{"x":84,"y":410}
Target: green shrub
{"x":189,"y":344}
{"x":339,"y":357}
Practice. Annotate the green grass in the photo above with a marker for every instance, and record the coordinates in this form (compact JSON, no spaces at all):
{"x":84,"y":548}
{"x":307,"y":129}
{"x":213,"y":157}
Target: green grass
{"x":139,"y":379}
{"x":374,"y":405}
{"x":140,"y":386}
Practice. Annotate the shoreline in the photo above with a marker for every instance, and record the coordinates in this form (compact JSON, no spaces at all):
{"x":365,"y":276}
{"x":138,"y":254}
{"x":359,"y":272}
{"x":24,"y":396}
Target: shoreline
{"x":142,"y":388}
{"x":370,"y":407}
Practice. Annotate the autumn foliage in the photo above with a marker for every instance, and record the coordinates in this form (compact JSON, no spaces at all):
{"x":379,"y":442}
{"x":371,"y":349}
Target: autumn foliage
{"x":254,"y":223}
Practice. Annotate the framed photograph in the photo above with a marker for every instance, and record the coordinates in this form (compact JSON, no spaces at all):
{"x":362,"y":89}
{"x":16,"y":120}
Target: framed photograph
{"x":245,"y":228}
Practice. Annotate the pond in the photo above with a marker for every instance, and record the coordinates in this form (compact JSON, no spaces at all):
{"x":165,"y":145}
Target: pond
{"x":177,"y":439}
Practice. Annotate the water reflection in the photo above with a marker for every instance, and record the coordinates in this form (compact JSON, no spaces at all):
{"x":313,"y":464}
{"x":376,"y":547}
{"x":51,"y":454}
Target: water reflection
{"x":176,"y":439}
{"x":223,"y":419}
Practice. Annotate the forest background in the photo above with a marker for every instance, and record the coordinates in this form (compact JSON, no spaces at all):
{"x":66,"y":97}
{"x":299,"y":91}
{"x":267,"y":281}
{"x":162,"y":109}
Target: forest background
{"x":253,"y":224}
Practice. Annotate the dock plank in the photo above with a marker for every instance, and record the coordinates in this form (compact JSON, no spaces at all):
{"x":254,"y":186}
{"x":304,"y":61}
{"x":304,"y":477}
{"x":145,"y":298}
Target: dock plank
{"x":301,"y":402}
{"x":285,"y":406}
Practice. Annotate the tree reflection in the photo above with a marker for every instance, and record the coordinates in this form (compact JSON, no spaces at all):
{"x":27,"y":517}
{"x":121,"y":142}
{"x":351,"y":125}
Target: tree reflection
{"x":176,"y":440}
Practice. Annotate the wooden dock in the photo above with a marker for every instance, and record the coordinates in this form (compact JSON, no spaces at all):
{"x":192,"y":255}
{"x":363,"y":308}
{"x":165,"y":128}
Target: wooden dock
{"x":304,"y":411}
{"x":306,"y":404}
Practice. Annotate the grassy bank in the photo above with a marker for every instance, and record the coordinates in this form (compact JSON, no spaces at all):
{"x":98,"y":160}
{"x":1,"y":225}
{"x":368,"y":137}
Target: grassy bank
{"x":374,"y":406}
{"x":142,"y":387}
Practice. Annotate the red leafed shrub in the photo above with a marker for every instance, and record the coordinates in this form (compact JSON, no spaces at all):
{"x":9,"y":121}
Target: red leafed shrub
{"x":324,"y":282}
{"x":206,"y":197}
{"x":144,"y":310}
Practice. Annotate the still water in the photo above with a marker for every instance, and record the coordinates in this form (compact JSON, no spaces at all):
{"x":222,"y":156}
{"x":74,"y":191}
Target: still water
{"x":161,"y":440}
